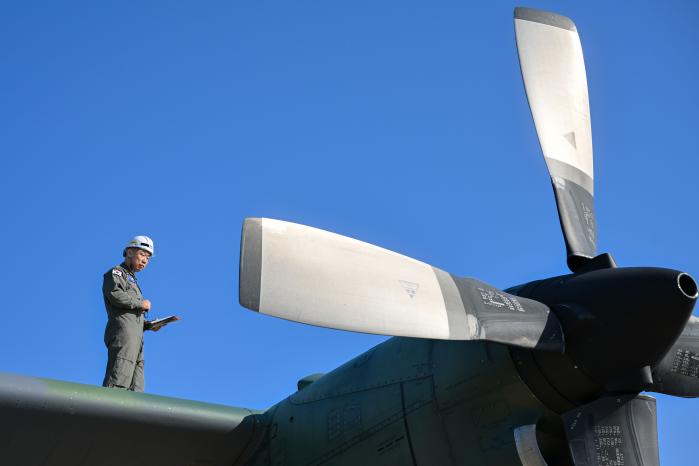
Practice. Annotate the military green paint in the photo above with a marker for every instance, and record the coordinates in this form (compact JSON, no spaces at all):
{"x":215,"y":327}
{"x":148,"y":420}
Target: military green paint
{"x":125,"y":399}
{"x":86,"y":425}
{"x":407,"y":401}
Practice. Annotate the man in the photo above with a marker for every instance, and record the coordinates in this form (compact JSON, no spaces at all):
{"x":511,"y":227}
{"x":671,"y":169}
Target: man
{"x":126,"y":308}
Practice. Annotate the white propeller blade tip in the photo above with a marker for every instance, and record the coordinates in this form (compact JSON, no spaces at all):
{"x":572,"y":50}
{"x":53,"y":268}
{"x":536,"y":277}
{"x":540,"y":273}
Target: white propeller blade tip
{"x":544,"y":17}
{"x":250,"y":264}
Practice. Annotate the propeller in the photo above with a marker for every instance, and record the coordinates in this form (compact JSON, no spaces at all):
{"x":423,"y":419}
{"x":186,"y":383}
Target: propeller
{"x":626,"y":330}
{"x":320,"y":278}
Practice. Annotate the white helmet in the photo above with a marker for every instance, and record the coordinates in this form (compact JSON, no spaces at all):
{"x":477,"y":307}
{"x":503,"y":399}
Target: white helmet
{"x":141,"y":242}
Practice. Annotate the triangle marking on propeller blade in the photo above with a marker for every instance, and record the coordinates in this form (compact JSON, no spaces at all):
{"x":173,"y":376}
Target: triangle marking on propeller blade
{"x":409,"y":287}
{"x":570,"y":137}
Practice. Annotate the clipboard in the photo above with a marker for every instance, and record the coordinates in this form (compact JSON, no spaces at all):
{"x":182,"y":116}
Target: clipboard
{"x":157,"y":324}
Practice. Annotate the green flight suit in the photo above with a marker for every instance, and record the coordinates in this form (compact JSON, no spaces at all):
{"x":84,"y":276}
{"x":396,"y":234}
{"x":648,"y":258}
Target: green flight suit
{"x":124,"y":332}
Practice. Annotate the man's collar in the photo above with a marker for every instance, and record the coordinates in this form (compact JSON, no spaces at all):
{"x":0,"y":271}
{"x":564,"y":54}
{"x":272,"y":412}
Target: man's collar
{"x":127,"y":269}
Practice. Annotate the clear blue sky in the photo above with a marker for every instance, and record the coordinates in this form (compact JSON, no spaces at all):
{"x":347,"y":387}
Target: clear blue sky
{"x":400,"y":123}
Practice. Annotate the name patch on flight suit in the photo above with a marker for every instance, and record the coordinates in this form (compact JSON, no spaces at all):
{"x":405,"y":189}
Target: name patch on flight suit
{"x":130,"y":278}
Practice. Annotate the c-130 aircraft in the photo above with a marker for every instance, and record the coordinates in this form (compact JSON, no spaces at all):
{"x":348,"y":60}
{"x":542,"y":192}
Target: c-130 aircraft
{"x":549,"y":372}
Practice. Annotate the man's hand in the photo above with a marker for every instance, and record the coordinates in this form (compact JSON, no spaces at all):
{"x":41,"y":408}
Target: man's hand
{"x":145,"y":305}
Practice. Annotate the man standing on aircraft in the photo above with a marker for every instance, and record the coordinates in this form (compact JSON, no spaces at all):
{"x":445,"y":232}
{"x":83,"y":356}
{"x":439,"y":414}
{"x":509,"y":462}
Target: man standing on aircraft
{"x":126,"y":310}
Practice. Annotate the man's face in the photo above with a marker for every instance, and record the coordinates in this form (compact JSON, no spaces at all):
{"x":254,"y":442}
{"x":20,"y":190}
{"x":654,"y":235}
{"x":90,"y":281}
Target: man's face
{"x":137,"y":259}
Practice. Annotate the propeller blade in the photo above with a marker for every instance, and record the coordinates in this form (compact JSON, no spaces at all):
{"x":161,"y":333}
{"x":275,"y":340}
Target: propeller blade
{"x":320,"y":278}
{"x":614,"y":430}
{"x":678,"y":372}
{"x":528,"y":446}
{"x":553,"y":69}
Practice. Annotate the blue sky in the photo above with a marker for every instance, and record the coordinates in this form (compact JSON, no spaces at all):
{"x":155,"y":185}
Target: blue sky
{"x":403,"y":124}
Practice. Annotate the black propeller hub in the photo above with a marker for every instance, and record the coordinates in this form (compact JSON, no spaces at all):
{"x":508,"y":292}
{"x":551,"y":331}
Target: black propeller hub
{"x":618,"y":324}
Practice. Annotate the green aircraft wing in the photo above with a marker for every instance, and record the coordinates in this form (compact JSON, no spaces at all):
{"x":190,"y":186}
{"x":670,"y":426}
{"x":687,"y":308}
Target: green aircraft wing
{"x":51,"y":423}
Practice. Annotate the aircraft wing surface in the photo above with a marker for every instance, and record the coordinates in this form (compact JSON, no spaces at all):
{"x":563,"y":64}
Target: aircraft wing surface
{"x":51,"y":423}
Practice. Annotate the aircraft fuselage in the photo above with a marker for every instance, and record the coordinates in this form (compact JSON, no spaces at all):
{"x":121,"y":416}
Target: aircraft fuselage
{"x":406,"y":401}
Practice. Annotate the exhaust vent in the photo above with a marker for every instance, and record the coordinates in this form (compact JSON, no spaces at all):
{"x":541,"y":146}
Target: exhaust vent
{"x":687,"y":285}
